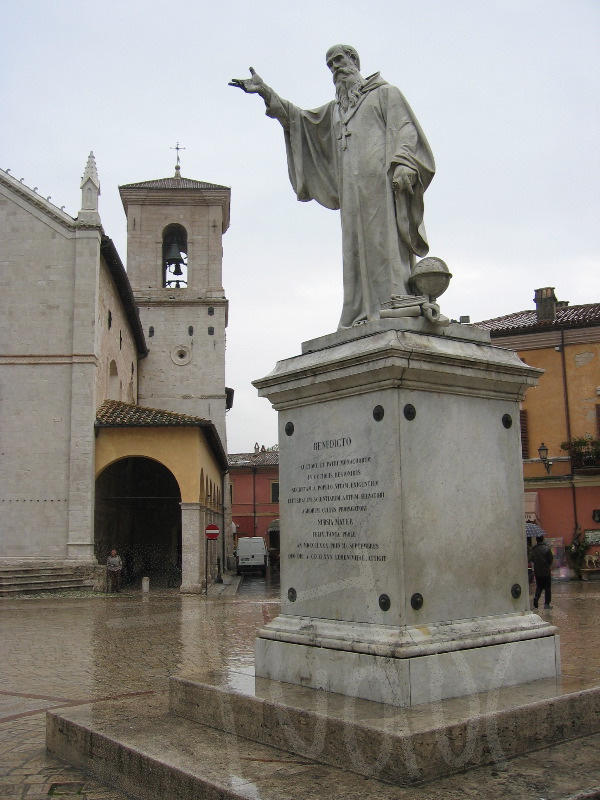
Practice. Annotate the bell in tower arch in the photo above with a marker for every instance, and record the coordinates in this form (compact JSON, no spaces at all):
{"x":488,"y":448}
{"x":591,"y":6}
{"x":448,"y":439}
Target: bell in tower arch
{"x":174,"y":256}
{"x":174,"y":259}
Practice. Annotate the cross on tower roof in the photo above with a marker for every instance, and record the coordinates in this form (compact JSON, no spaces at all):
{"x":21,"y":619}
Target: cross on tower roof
{"x":177,"y":168}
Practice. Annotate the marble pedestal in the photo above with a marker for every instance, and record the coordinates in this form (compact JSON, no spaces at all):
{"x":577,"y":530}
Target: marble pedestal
{"x":403,"y":554}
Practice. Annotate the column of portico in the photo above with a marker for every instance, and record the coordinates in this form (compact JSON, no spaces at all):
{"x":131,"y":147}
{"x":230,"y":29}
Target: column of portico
{"x":193,"y":546}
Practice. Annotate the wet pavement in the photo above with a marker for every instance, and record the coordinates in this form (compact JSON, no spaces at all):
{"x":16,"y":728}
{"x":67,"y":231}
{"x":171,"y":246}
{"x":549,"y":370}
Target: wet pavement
{"x":67,"y":651}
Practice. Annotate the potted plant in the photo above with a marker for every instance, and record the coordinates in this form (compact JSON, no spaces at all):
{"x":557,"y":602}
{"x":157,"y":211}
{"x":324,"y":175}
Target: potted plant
{"x":584,"y":452}
{"x":576,"y":551}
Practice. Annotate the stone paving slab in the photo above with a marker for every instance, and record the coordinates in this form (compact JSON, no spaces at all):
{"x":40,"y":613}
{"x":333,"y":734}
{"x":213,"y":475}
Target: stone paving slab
{"x":137,"y":744}
{"x":81,"y":649}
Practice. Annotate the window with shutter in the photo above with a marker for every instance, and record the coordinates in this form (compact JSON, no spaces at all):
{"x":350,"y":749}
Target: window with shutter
{"x":524,"y":435}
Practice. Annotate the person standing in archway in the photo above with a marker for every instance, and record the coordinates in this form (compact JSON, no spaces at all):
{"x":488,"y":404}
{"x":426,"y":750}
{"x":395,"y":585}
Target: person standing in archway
{"x":114,"y":565}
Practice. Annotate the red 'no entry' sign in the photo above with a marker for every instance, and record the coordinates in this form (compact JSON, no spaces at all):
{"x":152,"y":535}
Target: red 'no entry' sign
{"x":212,"y":531}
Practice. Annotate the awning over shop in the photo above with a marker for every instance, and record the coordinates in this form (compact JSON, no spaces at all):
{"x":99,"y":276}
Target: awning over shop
{"x":532,"y":507}
{"x":273,"y":526}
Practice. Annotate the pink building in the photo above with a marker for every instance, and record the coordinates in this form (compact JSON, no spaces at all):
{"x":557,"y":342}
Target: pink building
{"x":254,"y":480}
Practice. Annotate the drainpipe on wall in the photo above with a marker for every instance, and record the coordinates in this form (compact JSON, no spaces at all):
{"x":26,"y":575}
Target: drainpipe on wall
{"x":568,"y":422}
{"x":254,"y":501}
{"x":223,"y":520}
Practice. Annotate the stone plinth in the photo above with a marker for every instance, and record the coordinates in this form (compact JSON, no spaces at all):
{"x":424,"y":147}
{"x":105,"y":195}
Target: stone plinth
{"x":403,"y":554}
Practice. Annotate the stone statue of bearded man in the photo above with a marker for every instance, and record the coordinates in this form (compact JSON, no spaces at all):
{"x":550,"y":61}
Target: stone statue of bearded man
{"x":365,"y":154}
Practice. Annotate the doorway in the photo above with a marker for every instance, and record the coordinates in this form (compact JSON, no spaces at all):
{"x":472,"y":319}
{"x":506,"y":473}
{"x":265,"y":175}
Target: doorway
{"x":138,"y":512}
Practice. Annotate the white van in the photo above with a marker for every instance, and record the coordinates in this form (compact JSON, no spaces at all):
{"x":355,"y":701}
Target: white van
{"x":251,"y":554}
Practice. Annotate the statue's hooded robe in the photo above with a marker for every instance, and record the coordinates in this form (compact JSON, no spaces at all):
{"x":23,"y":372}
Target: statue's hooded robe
{"x":346,"y":160}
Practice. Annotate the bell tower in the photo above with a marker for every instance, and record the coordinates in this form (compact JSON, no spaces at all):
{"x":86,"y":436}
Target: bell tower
{"x":174,"y":263}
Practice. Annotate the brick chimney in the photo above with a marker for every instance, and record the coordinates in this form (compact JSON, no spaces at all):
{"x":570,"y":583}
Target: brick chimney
{"x":545,"y":304}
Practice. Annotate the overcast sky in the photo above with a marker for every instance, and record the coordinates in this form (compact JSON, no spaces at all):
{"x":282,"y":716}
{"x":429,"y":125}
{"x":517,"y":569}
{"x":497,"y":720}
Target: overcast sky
{"x":507,"y":92}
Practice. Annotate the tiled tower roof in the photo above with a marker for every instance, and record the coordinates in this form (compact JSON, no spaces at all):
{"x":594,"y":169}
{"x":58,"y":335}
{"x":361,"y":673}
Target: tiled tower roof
{"x":173,"y":183}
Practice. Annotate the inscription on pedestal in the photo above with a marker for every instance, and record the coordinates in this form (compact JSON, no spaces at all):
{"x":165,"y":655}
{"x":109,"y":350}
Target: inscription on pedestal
{"x":335,"y":502}
{"x":336,"y":496}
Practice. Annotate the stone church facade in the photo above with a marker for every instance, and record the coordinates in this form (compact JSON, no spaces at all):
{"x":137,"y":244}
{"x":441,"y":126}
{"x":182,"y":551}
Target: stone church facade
{"x":112,"y":383}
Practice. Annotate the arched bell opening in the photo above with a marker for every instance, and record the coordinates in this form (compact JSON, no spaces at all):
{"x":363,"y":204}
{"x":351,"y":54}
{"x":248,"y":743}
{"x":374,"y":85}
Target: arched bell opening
{"x":174,"y":253}
{"x":138,"y":513}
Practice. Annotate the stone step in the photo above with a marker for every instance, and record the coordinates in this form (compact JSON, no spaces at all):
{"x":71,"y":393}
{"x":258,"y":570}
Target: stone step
{"x":41,"y":578}
{"x":37,"y":570}
{"x":58,"y":585}
{"x":277,"y":741}
{"x":139,"y":748}
{"x":15,"y":580}
{"x":399,"y":745}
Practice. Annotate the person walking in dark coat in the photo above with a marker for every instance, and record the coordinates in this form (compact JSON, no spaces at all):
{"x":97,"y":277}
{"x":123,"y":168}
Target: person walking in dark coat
{"x":542,"y":558}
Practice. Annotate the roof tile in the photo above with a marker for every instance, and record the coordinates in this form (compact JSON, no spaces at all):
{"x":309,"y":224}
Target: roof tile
{"x":264,"y":458}
{"x":173,"y":183}
{"x":114,"y":414}
{"x":526,"y":321}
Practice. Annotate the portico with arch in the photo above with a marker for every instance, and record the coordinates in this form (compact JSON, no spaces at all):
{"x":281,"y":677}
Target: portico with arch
{"x":159,"y":483}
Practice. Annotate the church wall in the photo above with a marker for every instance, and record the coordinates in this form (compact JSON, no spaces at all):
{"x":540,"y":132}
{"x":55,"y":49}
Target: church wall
{"x":114,"y":343}
{"x":36,"y":373}
{"x":56,"y":351}
{"x":34,"y":474}
{"x":37,"y":263}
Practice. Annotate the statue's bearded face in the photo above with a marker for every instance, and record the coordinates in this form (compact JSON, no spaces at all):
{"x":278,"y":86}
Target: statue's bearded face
{"x":346,"y":77}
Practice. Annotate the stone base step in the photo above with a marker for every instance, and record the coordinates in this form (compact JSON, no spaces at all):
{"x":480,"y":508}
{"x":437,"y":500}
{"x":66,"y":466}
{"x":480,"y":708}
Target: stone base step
{"x":276,"y":741}
{"x":399,"y":745}
{"x":138,"y":747}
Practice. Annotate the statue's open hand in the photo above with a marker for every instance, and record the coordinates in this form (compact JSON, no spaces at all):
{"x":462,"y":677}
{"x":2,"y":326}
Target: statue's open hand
{"x":404,"y":179}
{"x":250,"y":85}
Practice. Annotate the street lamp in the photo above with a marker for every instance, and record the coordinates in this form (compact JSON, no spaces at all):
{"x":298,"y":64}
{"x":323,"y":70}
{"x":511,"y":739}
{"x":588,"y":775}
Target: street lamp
{"x":543,"y":454}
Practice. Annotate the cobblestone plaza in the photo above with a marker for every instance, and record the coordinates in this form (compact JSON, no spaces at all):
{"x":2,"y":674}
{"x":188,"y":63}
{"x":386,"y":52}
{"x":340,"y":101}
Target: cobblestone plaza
{"x":60,"y":652}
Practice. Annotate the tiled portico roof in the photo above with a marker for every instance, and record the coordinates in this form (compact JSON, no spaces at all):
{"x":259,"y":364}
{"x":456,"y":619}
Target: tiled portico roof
{"x":115,"y":414}
{"x":527,"y":322}
{"x":264,"y":458}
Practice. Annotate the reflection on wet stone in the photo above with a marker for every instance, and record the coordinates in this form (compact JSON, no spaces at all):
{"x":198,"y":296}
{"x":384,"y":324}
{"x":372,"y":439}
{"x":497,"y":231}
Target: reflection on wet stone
{"x":53,"y":649}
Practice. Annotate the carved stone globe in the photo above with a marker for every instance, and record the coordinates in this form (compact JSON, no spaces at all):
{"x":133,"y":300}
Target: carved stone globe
{"x":430,"y":276}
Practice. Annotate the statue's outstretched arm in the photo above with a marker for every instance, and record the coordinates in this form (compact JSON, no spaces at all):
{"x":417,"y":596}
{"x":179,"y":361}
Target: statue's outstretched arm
{"x":253,"y":85}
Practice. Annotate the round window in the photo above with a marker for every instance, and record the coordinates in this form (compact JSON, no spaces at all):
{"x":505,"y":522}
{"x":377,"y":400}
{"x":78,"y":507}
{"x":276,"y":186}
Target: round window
{"x":181,"y":355}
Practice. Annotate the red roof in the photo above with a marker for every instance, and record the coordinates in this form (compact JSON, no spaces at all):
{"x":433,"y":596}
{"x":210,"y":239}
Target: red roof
{"x":114,"y":414}
{"x":527,"y":322}
{"x":264,"y":458}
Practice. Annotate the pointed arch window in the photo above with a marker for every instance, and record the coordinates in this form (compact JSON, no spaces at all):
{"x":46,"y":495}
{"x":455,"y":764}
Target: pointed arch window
{"x":174,"y":253}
